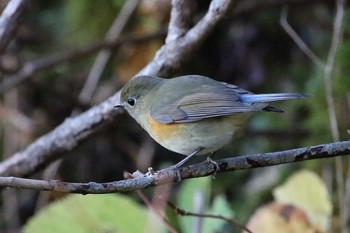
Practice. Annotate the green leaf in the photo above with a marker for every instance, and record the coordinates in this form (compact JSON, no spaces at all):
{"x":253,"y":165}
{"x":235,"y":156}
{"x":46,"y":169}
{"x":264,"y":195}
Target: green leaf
{"x":306,"y":190}
{"x":91,"y":213}
{"x":220,"y":207}
{"x":194,"y":197}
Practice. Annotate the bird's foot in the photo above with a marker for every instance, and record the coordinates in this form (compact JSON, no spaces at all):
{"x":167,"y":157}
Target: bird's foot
{"x":177,"y":174}
{"x":216,"y":165}
{"x":176,"y":167}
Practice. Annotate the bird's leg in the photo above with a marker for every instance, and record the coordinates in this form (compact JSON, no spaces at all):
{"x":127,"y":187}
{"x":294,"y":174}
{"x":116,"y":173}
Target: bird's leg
{"x":216,"y":165}
{"x":179,"y":164}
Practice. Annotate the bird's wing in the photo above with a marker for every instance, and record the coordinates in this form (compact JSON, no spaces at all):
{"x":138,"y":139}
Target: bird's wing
{"x":204,"y":102}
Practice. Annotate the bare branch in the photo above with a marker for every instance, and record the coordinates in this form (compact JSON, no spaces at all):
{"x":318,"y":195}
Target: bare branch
{"x":177,"y":26}
{"x":328,"y":72}
{"x":200,"y":215}
{"x":302,"y":45}
{"x":162,"y":193}
{"x":71,"y":132}
{"x":62,"y":139}
{"x":104,"y":55}
{"x":32,"y":67}
{"x":180,"y":20}
{"x":328,"y":69}
{"x":172,"y":55}
{"x":10,"y":20}
{"x":169,"y":175}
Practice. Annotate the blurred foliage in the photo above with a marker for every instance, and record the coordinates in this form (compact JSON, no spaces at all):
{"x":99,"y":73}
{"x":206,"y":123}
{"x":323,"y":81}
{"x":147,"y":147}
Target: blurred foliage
{"x":250,"y":50}
{"x":194,"y":197}
{"x":308,"y":192}
{"x":77,"y":12}
{"x":79,"y":214}
{"x":301,"y":204}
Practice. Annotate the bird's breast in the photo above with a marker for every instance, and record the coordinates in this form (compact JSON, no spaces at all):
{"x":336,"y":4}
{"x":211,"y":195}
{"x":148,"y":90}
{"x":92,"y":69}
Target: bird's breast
{"x":184,"y":138}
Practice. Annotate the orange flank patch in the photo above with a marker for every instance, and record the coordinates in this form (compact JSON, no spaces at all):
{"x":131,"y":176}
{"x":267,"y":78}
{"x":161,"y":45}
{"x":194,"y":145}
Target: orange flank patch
{"x":163,"y":131}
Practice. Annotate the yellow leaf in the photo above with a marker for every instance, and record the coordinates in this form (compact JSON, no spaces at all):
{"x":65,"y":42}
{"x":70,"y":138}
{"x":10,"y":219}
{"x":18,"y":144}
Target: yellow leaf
{"x":280,"y":218}
{"x":307,"y":191}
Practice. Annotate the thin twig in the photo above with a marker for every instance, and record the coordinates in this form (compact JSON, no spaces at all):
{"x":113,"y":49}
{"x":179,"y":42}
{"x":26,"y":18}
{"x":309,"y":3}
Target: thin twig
{"x":191,"y":214}
{"x":61,"y":139}
{"x":174,"y":55}
{"x":151,"y":206}
{"x":104,"y":55}
{"x":71,"y":132}
{"x":32,"y":67}
{"x":328,"y":72}
{"x":302,"y":45}
{"x":169,"y":175}
{"x":94,"y":76}
{"x":329,"y":67}
{"x":160,"y":214}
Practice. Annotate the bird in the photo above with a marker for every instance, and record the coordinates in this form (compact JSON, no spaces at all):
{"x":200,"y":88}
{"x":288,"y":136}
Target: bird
{"x":193,"y":114}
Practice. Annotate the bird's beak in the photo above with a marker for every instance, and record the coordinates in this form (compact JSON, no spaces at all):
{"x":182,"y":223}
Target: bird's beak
{"x":120,"y":105}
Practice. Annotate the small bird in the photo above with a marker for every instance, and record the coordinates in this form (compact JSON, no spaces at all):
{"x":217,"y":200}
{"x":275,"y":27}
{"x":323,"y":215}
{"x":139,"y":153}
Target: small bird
{"x":193,"y":114}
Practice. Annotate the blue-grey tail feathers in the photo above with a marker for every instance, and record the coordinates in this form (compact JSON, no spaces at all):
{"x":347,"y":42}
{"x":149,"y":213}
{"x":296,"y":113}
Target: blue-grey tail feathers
{"x":264,"y":98}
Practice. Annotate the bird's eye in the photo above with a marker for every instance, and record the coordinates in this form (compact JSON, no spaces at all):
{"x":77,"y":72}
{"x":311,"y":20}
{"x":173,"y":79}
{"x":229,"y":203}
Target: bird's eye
{"x":131,"y":102}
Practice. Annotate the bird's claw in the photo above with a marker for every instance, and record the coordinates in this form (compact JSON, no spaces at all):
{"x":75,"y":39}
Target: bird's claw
{"x":216,"y":165}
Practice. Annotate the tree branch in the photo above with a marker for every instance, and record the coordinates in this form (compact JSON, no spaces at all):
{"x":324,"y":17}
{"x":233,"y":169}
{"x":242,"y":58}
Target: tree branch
{"x":30,"y":68}
{"x":10,"y":20}
{"x":172,"y":55}
{"x":62,"y":139}
{"x":296,"y":38}
{"x":71,"y":132}
{"x":328,"y":75}
{"x":180,"y":20}
{"x":177,"y":28}
{"x":169,"y":175}
{"x":229,"y":220}
{"x":104,"y":55}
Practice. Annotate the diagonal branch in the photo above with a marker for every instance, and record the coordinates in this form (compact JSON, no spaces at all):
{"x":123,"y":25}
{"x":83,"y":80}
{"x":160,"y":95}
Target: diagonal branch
{"x":62,"y":139}
{"x":10,"y":20}
{"x":180,"y":20}
{"x":104,"y":55}
{"x":296,"y":38}
{"x":176,"y":26}
{"x":32,"y":67}
{"x":169,"y":175}
{"x":328,"y":74}
{"x":71,"y":132}
{"x":229,"y":220}
{"x":171,"y":56}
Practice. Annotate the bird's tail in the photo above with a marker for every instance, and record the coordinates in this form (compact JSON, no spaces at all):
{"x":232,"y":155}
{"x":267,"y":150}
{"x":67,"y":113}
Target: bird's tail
{"x":264,"y":98}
